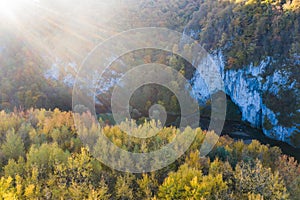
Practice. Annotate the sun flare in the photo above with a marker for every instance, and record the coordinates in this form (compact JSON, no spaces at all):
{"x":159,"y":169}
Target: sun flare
{"x":9,"y":7}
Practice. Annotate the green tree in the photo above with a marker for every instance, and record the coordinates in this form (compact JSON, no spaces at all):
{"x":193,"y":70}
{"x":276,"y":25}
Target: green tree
{"x":7,"y":191}
{"x":148,"y":185}
{"x":289,"y":170}
{"x":189,"y":183}
{"x":13,"y":146}
{"x":123,"y":187}
{"x":254,"y":178}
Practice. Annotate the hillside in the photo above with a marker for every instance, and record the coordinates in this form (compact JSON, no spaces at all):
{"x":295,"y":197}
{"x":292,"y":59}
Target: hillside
{"x":256,"y":44}
{"x":151,"y":99}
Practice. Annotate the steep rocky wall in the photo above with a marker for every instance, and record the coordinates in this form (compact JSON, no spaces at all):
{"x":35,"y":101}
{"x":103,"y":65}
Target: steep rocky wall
{"x":250,"y":88}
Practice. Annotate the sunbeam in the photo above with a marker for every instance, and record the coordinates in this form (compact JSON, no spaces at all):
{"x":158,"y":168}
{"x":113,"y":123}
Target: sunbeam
{"x":55,"y":30}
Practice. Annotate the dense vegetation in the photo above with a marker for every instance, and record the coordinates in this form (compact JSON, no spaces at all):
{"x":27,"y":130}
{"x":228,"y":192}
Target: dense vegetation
{"x":23,"y":84}
{"x":247,"y":30}
{"x":42,"y":157}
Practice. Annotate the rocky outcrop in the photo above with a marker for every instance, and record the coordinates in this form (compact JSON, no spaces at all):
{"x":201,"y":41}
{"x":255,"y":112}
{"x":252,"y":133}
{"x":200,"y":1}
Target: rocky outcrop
{"x":252,"y":88}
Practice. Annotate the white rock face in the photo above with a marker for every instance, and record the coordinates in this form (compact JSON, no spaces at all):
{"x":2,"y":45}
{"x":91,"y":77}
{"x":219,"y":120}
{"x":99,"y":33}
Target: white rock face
{"x":246,"y":87}
{"x":244,"y":92}
{"x":277,"y":131}
{"x":207,"y":79}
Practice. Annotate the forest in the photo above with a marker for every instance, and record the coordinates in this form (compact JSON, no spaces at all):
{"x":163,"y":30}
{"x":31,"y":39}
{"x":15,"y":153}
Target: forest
{"x":42,"y":157}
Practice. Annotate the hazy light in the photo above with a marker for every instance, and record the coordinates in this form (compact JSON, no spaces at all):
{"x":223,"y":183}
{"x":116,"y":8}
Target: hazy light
{"x":63,"y":29}
{"x":7,"y":7}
